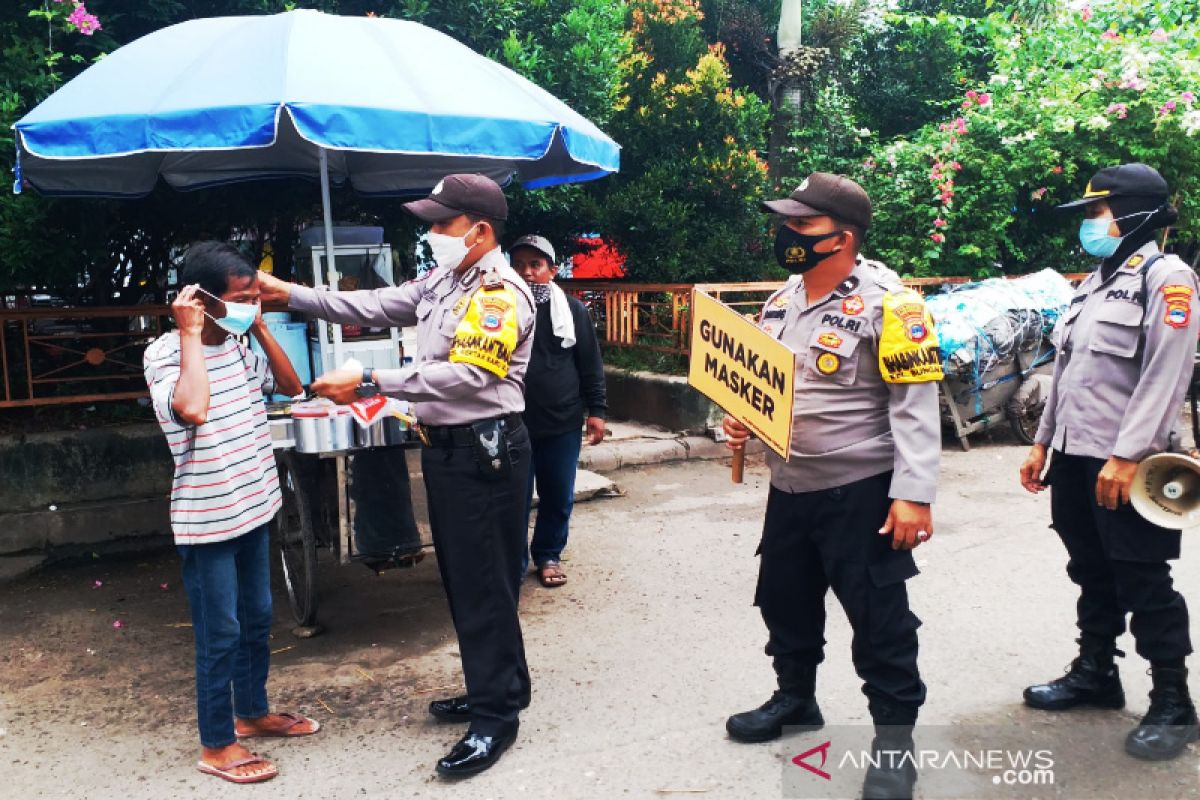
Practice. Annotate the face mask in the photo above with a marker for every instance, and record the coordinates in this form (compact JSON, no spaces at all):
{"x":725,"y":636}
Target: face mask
{"x":238,"y":316}
{"x":794,"y":251}
{"x":1093,"y":234}
{"x":448,"y":251}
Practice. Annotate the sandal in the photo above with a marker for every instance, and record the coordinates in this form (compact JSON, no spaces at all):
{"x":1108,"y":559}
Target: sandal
{"x":551,"y":575}
{"x":287,"y":731}
{"x":226,"y":771}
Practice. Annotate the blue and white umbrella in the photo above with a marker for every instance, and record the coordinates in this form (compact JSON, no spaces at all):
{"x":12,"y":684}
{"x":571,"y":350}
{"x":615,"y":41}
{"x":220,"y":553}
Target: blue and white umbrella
{"x":387,"y":105}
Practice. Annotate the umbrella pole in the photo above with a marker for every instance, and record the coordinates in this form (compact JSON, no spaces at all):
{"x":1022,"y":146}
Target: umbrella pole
{"x":327,"y":217}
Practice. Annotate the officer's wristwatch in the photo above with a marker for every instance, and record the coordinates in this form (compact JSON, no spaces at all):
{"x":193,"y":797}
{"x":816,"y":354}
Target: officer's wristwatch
{"x":368,"y":387}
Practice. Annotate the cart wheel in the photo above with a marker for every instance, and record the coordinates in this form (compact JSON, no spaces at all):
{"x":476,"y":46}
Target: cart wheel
{"x":297,"y":540}
{"x":1024,"y":408}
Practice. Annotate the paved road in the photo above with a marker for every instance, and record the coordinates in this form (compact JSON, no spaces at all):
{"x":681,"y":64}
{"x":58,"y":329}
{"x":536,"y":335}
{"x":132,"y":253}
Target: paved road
{"x":636,"y":662}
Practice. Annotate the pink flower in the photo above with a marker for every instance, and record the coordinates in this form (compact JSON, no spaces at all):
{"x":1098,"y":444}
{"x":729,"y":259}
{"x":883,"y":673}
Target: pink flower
{"x":985,"y":99}
{"x":1110,"y":34}
{"x":85,"y":23}
{"x":938,"y":237}
{"x":966,"y":104}
{"x":1167,"y":108}
{"x":1137,"y":84}
{"x":1120,"y":109}
{"x":1085,"y":13}
{"x":164,"y":586}
{"x":1038,"y":194}
{"x":954,"y":165}
{"x":939,"y":223}
{"x":1159,"y":35}
{"x":97,"y":584}
{"x":1056,"y":169}
{"x":1187,"y":97}
{"x":972,"y":94}
{"x":118,"y":624}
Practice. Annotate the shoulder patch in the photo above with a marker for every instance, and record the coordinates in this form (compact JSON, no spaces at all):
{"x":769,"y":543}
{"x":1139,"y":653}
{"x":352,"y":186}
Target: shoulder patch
{"x":908,"y":344}
{"x":487,"y":334}
{"x":1179,"y":305}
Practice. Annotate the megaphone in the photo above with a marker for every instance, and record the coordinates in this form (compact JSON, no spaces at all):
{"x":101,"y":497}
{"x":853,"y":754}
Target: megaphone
{"x":1166,"y":490}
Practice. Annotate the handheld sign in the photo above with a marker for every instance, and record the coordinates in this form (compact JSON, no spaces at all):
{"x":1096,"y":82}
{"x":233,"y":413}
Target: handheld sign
{"x":745,"y":371}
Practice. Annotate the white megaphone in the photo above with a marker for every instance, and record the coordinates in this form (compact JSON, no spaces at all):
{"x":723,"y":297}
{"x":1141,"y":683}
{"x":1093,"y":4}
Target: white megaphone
{"x":1166,"y":490}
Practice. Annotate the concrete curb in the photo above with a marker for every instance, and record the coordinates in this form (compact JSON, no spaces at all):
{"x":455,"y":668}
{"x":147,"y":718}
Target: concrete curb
{"x":639,"y":452}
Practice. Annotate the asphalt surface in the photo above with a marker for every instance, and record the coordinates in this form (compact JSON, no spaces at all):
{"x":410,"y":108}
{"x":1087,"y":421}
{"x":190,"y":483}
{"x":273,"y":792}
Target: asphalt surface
{"x":636,"y":662}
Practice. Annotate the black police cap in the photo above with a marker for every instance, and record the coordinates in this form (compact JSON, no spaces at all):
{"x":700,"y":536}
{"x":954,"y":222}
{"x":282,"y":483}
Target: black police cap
{"x":1125,"y":180}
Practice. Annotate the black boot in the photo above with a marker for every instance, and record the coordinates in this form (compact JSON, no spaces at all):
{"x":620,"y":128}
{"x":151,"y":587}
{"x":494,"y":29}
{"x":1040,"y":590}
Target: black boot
{"x":1170,"y":723}
{"x":1092,"y":680}
{"x":893,"y":770}
{"x":768,"y":720}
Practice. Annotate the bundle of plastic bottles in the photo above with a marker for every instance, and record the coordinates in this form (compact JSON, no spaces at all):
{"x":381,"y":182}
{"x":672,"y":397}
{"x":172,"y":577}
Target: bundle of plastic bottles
{"x":981,"y":325}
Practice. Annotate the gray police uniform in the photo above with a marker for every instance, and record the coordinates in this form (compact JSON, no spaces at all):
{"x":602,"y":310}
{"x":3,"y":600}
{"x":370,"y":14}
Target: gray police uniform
{"x":1126,"y":346}
{"x":858,"y":442}
{"x":474,"y":335}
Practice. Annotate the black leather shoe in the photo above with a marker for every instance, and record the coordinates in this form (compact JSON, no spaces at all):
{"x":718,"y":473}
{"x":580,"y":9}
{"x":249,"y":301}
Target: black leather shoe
{"x":452,"y":709}
{"x":475,"y":753}
{"x":1170,"y":723}
{"x":768,"y":720}
{"x":1091,"y":680}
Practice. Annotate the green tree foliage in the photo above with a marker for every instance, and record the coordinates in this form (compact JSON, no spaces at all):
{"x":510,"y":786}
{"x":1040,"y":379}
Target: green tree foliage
{"x":113,"y":249}
{"x":1086,"y":88}
{"x":684,"y":207}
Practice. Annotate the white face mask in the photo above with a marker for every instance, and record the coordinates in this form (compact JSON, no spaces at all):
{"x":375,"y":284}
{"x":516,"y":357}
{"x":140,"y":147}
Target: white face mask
{"x":449,"y":251}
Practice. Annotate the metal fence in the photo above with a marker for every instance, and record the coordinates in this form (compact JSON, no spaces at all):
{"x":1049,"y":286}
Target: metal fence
{"x":53,"y":356}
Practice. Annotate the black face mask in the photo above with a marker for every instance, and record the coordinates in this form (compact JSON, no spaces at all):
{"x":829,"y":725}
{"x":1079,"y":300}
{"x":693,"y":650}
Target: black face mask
{"x":794,"y":251}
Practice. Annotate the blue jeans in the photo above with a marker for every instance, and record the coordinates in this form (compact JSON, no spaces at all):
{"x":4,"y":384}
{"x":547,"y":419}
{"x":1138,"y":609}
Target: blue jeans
{"x":229,"y":590}
{"x":555,"y":459}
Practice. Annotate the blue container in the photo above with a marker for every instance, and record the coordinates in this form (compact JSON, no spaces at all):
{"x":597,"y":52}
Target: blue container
{"x":293,"y":338}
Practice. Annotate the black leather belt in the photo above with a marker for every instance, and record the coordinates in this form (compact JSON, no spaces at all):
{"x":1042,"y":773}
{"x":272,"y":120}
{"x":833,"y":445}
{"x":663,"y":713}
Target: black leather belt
{"x":461,"y":435}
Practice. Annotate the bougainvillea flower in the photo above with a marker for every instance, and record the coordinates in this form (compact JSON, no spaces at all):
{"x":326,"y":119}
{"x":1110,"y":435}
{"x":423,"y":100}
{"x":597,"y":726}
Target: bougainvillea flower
{"x":939,"y":223}
{"x":85,"y":23}
{"x":938,"y":237}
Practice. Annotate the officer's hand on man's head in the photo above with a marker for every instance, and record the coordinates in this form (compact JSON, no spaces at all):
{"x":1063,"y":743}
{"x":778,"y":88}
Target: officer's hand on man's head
{"x":736,"y":433}
{"x":272,"y":290}
{"x":909,"y":523}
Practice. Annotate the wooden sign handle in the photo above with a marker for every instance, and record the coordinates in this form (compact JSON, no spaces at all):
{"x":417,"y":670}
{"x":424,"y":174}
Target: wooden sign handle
{"x":739,"y":464}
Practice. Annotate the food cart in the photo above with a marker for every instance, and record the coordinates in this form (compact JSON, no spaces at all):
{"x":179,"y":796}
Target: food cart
{"x":317,"y":447}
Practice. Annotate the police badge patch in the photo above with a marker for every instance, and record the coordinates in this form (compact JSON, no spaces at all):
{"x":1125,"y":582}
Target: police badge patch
{"x":1179,"y":305}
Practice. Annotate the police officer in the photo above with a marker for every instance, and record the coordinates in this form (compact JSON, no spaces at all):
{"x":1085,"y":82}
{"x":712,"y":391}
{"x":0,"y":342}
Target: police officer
{"x":853,"y":500}
{"x":475,"y":319}
{"x":1125,"y":359}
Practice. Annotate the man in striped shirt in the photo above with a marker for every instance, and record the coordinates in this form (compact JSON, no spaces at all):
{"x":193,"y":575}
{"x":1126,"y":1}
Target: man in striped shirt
{"x":207,"y":390}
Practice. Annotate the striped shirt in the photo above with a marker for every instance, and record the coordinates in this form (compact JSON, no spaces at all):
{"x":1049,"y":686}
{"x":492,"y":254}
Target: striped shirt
{"x":225,"y":480}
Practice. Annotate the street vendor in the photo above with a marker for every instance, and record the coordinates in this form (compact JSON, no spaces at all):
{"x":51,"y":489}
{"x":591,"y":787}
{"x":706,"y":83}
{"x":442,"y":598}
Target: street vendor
{"x":1125,"y":359}
{"x":475,"y":319}
{"x":848,"y":506}
{"x":207,"y":389}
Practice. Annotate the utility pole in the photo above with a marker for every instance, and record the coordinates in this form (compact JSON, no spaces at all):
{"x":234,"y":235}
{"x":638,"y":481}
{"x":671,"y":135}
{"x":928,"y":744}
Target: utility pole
{"x":785,"y":90}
